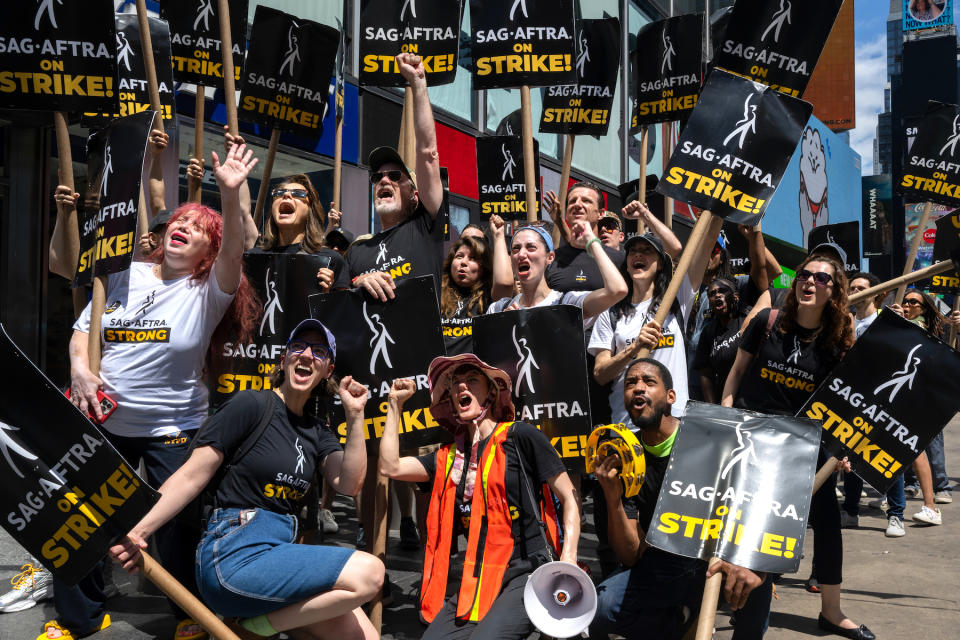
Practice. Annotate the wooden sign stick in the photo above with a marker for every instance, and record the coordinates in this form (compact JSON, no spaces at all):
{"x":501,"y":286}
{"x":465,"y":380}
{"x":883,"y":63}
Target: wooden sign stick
{"x":667,"y":152}
{"x":153,"y":89}
{"x":939,"y":267}
{"x":194,"y":186}
{"x":529,"y":162}
{"x":914,"y":248}
{"x":642,"y":182}
{"x":265,"y":178}
{"x":564,"y":186}
{"x":337,"y":163}
{"x":229,"y":74}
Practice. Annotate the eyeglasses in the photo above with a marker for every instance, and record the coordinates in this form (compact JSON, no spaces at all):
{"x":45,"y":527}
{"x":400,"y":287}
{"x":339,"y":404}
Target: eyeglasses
{"x":820,"y":278}
{"x":909,"y":302}
{"x":296,"y":193}
{"x":394,"y":175}
{"x":319,"y":351}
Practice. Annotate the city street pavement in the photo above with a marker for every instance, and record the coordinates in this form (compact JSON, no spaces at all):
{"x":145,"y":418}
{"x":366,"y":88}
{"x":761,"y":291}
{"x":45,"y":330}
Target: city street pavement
{"x":899,"y":587}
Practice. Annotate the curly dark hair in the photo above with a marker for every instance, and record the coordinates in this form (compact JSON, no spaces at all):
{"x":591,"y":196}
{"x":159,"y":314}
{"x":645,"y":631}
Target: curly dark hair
{"x":478,"y":296}
{"x":316,"y":219}
{"x":931,"y":315}
{"x":836,"y":328}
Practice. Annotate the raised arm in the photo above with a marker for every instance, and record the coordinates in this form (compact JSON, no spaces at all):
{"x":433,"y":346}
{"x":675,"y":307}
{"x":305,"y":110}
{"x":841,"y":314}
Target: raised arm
{"x":502,"y":267}
{"x":671,"y":243}
{"x":250,"y":232}
{"x":758,"y":256}
{"x":429,"y":185}
{"x":614,"y":286}
{"x":230,"y":176}
{"x":735,"y":377}
{"x":64,"y":254}
{"x":562,"y":487}
{"x":345,"y":470}
{"x":155,"y":193}
{"x":391,"y":465}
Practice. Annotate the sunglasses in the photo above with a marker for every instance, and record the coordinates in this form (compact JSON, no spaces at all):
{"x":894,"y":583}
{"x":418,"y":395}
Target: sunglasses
{"x":394,"y":175}
{"x":909,"y":302}
{"x":296,"y":193}
{"x":319,"y":351}
{"x":820,"y":278}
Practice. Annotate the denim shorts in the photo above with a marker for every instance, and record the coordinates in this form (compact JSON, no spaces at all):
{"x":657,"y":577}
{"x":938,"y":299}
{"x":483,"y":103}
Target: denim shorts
{"x":248,"y":563}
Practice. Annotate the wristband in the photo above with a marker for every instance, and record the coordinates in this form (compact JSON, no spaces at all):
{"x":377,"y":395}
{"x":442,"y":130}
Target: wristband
{"x":592,"y":240}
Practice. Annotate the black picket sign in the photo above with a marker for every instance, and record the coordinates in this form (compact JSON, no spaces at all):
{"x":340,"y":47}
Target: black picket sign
{"x":777,"y":42}
{"x":946,"y":243}
{"x":340,"y":83}
{"x":503,"y":190}
{"x":132,"y":75}
{"x":877,"y":215}
{"x":584,"y":108}
{"x":67,"y":494}
{"x":195,"y":39}
{"x":543,"y":351}
{"x":429,"y":28}
{"x":891,"y":394}
{"x":670,"y":71}
{"x":735,"y":147}
{"x":931,"y":171}
{"x":287,"y":74}
{"x":523,"y":42}
{"x":108,"y":211}
{"x":738,"y":487}
{"x":844,"y":234}
{"x":58,"y":56}
{"x":378,"y":342}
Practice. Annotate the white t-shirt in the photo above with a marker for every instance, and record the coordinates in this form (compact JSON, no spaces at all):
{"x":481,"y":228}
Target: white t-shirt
{"x":155,"y":339}
{"x":672,"y":352}
{"x":574,"y":298}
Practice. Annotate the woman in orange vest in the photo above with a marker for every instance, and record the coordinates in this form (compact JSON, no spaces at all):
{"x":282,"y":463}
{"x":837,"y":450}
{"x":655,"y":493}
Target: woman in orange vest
{"x":482,"y":486}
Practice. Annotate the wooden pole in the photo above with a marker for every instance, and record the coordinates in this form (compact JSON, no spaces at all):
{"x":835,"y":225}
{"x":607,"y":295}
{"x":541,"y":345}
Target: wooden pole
{"x":380,"y":505}
{"x":939,"y":267}
{"x":570,"y":140}
{"x":70,"y":224}
{"x":667,"y":152}
{"x":195,"y":187}
{"x":529,"y":166}
{"x":642,"y":182}
{"x":708,"y":606}
{"x":337,"y":163}
{"x":914,"y":248}
{"x":265,"y":178}
{"x":146,"y":44}
{"x":229,"y":81}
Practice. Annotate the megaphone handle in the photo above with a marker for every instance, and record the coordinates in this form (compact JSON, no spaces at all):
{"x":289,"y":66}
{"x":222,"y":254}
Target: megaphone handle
{"x":708,"y":606}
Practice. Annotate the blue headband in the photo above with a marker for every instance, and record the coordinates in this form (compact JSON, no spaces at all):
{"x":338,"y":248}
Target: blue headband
{"x":547,"y":240}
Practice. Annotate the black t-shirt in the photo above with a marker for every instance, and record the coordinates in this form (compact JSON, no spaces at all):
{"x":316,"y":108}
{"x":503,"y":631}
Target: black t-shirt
{"x":787,"y":369}
{"x":458,"y":328}
{"x":574,"y":269}
{"x":541,"y":463}
{"x":717,"y":349}
{"x":341,"y":274}
{"x":640,"y":507}
{"x":277,"y":471}
{"x":410,"y":249}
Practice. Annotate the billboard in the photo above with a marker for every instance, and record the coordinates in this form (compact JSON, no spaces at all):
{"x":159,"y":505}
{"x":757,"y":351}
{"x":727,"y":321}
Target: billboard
{"x":832,"y":87}
{"x":913,"y":212}
{"x":924,"y":14}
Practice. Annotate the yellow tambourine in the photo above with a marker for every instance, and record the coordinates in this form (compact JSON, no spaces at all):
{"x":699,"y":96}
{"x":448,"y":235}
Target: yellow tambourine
{"x":618,"y":440}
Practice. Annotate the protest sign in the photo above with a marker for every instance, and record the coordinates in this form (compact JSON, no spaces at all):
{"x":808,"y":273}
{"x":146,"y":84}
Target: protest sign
{"x":523,"y":42}
{"x":946,"y":242}
{"x":844,"y":234}
{"x":500,"y":177}
{"x":340,"y":82}
{"x":287,"y":73}
{"x":670,"y":71}
{"x":195,"y":39}
{"x":428,"y":28}
{"x":735,"y":147}
{"x":132,"y":74}
{"x":738,"y":488}
{"x":550,"y":388}
{"x":777,"y":42}
{"x":931,"y":172}
{"x":877,"y":216}
{"x":877,"y":406}
{"x":58,"y":57}
{"x":108,"y":220}
{"x":584,"y":108}
{"x":67,"y":494}
{"x":378,"y":342}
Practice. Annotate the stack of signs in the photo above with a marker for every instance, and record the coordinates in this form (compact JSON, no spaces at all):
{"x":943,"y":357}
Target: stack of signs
{"x":877,"y":198}
{"x":670,"y":71}
{"x":378,"y":342}
{"x":132,"y":74}
{"x":282,"y":283}
{"x":428,"y":28}
{"x":946,"y":242}
{"x":195,"y":38}
{"x":738,"y":249}
{"x":503,"y":191}
{"x":732,"y":154}
{"x":287,"y":73}
{"x":931,"y":172}
{"x":845,"y":235}
{"x":108,"y":222}
{"x":738,"y":488}
{"x":878,"y":407}
{"x":776,"y":42}
{"x":58,"y":57}
{"x":550,"y":387}
{"x":523,"y":42}
{"x":584,"y":108}
{"x":67,"y":494}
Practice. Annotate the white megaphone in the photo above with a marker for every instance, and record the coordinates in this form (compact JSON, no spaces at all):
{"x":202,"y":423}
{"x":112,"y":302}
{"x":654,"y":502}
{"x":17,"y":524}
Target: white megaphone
{"x":560,"y":599}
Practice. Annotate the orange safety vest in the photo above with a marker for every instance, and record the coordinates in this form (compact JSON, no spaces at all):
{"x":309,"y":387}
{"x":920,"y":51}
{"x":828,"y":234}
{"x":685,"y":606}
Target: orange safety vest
{"x":490,"y":538}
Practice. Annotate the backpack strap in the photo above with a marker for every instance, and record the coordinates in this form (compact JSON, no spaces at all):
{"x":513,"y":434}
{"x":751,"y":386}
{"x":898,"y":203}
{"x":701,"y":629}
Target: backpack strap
{"x":771,"y":321}
{"x":269,"y":405}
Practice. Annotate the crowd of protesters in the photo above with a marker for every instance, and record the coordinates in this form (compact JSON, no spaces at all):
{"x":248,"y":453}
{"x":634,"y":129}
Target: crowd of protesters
{"x":248,"y":560}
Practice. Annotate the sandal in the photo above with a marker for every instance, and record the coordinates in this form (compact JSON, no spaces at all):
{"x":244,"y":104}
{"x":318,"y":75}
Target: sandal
{"x":53,"y":631}
{"x":184,"y":631}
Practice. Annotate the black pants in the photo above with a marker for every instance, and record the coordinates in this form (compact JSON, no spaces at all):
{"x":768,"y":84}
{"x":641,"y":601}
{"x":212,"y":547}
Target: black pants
{"x":506,"y":620}
{"x":827,"y":541}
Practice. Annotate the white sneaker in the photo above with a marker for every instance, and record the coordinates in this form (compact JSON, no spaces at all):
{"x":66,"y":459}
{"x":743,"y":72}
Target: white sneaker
{"x":942,"y":497}
{"x":327,"y":521}
{"x":927,"y":515}
{"x":880,"y":503}
{"x":894,"y":528}
{"x":848,"y":521}
{"x":30,"y":586}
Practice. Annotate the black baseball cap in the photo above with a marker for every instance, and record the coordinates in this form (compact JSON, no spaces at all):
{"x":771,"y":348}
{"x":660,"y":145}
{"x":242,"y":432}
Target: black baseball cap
{"x":654,"y":241}
{"x":383,"y":155}
{"x":827,"y":248}
{"x":338,"y":234}
{"x":160,"y":220}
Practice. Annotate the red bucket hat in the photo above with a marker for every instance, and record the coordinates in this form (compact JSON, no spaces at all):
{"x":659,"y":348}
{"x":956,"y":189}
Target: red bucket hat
{"x":440,"y":375}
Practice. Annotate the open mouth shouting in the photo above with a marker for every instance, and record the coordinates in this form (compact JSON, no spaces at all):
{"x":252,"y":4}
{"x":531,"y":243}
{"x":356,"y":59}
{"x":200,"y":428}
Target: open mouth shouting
{"x":638,"y":403}
{"x":287,"y":207}
{"x":523,"y":269}
{"x":302,"y":373}
{"x":178,"y":239}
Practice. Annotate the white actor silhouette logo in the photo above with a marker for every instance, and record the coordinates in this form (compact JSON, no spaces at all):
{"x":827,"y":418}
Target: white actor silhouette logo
{"x":522,"y":4}
{"x":668,"y":53}
{"x":742,"y":454}
{"x":7,"y":443}
{"x":204,"y":11}
{"x":723,"y":238}
{"x":748,"y":123}
{"x":124,"y":50}
{"x":300,"y":458}
{"x":903,"y":377}
{"x":509,"y":164}
{"x":525,"y":364}
{"x":293,"y":51}
{"x":272,"y":305}
{"x":380,"y":337}
{"x":953,"y":139}
{"x":781,"y":16}
{"x":107,"y":171}
{"x":830,"y":237}
{"x":382,"y":256}
{"x":583,"y":57}
{"x":412,"y":5}
{"x":46,"y":7}
{"x":795,"y":354}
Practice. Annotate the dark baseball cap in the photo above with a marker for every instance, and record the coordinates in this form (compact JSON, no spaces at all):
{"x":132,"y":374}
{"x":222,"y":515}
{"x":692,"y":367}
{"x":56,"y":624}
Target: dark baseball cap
{"x":315,"y":325}
{"x":338,"y":234}
{"x":384,"y":155}
{"x":654,"y":241}
{"x":160,"y":220}
{"x":827,"y":248}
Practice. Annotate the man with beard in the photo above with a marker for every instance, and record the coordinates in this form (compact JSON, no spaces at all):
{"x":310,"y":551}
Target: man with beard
{"x":659,"y":593}
{"x":410,"y":243}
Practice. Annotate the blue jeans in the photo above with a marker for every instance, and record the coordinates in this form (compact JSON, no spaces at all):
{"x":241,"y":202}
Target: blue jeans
{"x":938,"y":466}
{"x":896,"y":498}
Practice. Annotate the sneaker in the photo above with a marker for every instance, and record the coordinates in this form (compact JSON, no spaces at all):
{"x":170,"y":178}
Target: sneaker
{"x":30,"y":586}
{"x":880,"y":503}
{"x":327,"y":521}
{"x":942,"y":497}
{"x":189,"y":629}
{"x":912,"y":491}
{"x":848,"y":521}
{"x":927,"y":515}
{"x":361,"y":537}
{"x":409,"y":536}
{"x":894,"y":528}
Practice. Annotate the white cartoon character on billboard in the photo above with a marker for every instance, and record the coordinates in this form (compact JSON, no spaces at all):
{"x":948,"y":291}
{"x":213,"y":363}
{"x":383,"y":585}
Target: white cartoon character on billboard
{"x":813,"y":182}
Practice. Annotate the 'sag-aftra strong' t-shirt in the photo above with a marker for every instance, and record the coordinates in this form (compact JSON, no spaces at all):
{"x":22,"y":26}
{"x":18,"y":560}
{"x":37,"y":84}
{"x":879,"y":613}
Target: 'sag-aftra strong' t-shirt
{"x":277,"y":471}
{"x":156,"y":334}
